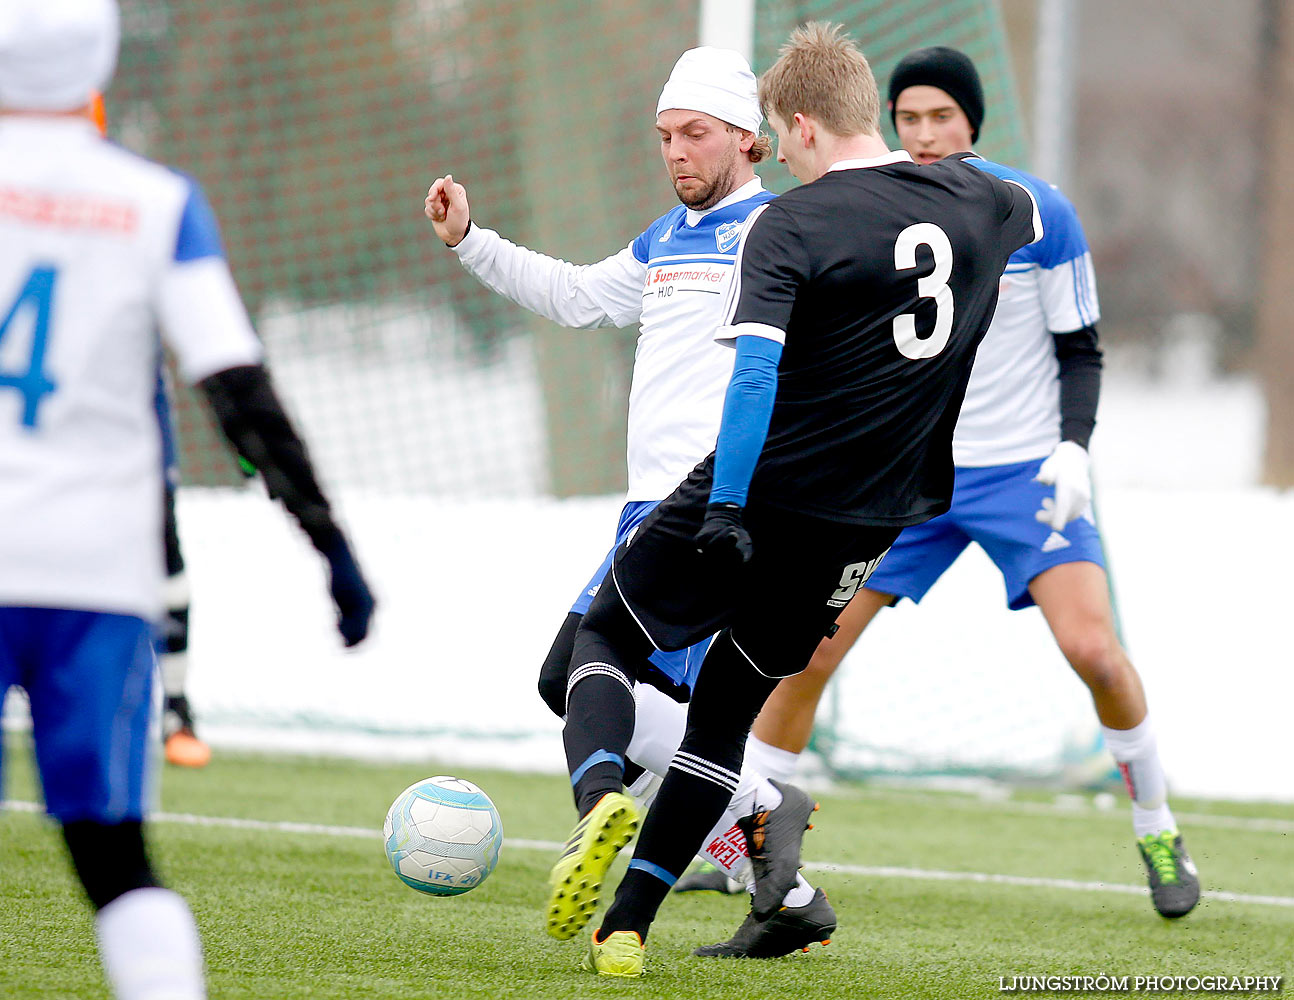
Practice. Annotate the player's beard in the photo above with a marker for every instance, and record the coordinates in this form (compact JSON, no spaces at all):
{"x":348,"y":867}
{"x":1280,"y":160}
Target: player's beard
{"x":709,"y":195}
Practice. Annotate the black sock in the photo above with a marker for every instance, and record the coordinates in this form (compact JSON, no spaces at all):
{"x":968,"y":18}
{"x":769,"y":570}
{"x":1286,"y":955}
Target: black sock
{"x":637,"y":899}
{"x":599,"y":725}
{"x":699,"y":785}
{"x":600,"y":703}
{"x":633,"y":771}
{"x":109,"y":858}
{"x":669,"y":840}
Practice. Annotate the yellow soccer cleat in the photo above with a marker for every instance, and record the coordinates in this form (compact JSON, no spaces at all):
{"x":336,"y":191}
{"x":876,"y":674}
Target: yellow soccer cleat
{"x":576,"y":879}
{"x":621,"y":954}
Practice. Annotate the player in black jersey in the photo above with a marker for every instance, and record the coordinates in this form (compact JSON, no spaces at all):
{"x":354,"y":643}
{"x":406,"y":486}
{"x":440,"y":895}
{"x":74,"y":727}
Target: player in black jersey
{"x":857,"y":306}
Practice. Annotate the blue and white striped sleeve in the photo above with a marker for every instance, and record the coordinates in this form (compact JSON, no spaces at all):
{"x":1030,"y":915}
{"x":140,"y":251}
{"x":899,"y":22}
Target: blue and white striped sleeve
{"x":1066,"y":279}
{"x":199,"y":311}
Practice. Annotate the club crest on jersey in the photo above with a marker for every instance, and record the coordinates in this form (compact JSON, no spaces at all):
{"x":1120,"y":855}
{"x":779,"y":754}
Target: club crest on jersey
{"x":727,"y":235}
{"x":668,"y":233}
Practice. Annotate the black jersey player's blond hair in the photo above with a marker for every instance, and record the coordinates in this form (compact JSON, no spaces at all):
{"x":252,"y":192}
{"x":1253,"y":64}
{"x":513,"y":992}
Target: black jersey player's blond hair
{"x":821,"y":73}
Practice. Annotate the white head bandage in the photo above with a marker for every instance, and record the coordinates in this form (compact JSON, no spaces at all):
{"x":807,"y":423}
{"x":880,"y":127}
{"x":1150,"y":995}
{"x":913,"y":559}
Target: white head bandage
{"x":716,"y":82}
{"x":54,"y":54}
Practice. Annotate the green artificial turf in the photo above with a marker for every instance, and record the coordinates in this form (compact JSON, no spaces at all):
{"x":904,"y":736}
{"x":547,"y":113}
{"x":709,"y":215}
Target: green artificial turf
{"x":319,"y":914}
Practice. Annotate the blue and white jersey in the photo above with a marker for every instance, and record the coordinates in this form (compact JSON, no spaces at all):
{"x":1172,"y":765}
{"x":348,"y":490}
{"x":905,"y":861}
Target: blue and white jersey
{"x":1012,"y":407}
{"x":99,"y":250}
{"x":671,"y":279}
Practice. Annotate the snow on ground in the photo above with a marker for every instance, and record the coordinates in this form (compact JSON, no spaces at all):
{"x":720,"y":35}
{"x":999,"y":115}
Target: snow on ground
{"x":471,"y":593}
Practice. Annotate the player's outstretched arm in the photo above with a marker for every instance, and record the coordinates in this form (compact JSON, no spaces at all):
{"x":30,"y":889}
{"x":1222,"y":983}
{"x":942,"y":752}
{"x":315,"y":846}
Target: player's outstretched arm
{"x":253,"y":419}
{"x":582,"y":296}
{"x":447,"y":208}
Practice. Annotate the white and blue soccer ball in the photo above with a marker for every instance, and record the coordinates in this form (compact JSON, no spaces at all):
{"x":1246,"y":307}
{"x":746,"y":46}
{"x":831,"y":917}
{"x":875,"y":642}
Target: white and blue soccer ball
{"x":443,"y":836}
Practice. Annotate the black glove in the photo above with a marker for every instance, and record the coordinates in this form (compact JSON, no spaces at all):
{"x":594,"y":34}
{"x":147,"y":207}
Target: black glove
{"x":350,"y":593}
{"x":723,"y":536}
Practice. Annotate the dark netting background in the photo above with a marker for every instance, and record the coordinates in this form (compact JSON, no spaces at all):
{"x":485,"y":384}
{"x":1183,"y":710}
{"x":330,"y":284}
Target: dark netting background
{"x":316,"y":129}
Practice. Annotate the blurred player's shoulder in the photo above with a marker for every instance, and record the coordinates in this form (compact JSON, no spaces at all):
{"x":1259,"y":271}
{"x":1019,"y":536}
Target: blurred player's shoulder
{"x":59,"y":173}
{"x":1063,"y":237}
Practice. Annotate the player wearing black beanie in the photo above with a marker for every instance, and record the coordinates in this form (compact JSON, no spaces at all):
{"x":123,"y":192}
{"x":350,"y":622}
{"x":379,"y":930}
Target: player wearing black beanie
{"x":949,"y":70}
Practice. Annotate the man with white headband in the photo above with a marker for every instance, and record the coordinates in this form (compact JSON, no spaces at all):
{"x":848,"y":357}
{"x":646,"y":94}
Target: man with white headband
{"x":99,"y":250}
{"x":666,"y":279}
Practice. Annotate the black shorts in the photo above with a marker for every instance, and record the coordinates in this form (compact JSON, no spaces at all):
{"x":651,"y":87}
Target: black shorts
{"x":778,"y":606}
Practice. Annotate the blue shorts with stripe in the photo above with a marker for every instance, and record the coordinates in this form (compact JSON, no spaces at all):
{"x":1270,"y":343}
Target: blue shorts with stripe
{"x":995,"y":507}
{"x":89,"y":678}
{"x":681,"y":666}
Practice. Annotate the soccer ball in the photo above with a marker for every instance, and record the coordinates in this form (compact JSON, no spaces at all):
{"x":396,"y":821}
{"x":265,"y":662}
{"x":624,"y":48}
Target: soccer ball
{"x":443,"y":836}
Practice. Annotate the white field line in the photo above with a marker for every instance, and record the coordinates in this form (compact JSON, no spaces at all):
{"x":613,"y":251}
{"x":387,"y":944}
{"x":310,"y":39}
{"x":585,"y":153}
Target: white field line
{"x":868,"y":871}
{"x":1080,"y":804}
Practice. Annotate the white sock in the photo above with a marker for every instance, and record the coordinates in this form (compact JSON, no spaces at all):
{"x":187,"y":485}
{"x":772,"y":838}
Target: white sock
{"x":644,"y":789}
{"x":725,"y":848}
{"x":801,"y":895}
{"x":175,"y":670}
{"x":175,"y":666}
{"x":754,"y":793}
{"x":1136,"y":752}
{"x":640,"y":786}
{"x":149,"y":947}
{"x":771,"y":761}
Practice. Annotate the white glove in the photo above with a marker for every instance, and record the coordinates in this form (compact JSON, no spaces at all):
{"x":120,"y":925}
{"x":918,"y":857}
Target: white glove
{"x":1068,"y":469}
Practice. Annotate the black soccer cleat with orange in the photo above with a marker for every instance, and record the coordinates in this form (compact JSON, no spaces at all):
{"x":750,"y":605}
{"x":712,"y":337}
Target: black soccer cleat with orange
{"x":773,"y":838}
{"x":791,"y":928}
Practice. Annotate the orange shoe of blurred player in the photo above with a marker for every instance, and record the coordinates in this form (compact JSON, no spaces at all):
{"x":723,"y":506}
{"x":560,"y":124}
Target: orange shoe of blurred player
{"x":181,"y":746}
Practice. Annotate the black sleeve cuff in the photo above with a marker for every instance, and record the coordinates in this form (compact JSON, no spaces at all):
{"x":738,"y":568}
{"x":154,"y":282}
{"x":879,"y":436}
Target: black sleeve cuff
{"x":1079,"y":357}
{"x":251,"y":416}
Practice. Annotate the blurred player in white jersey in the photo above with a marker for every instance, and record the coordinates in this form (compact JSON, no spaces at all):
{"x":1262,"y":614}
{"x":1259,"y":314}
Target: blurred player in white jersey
{"x":1023,"y":489}
{"x":99,"y":250}
{"x":180,"y":743}
{"x":670,"y":279}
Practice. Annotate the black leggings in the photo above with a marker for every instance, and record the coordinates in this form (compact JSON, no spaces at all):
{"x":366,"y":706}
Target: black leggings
{"x":110,"y":859}
{"x":557,"y":664}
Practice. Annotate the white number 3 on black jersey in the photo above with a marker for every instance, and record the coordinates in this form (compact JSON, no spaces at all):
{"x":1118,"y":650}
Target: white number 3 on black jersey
{"x":932,"y":286}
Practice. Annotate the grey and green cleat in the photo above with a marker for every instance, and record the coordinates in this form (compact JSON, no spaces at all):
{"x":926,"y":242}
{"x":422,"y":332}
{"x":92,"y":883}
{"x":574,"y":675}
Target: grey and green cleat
{"x":621,"y":954}
{"x":576,"y":879}
{"x":708,"y":878}
{"x":1174,"y":882}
